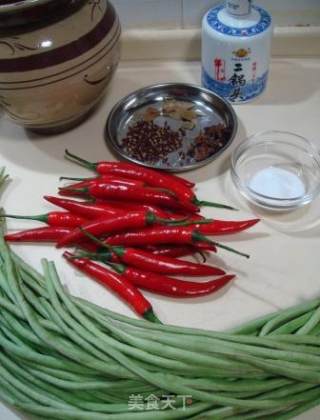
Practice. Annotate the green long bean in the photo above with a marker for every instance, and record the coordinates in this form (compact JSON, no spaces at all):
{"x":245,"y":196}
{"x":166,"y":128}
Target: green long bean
{"x":310,"y":324}
{"x":288,"y":315}
{"x":293,"y":325}
{"x":221,"y":346}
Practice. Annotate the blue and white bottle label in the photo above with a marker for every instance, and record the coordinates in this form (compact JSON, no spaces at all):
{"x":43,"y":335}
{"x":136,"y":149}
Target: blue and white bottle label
{"x":235,"y":89}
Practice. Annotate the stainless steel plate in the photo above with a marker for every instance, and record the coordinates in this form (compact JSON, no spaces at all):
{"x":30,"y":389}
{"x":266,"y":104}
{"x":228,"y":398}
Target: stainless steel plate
{"x":187,"y":111}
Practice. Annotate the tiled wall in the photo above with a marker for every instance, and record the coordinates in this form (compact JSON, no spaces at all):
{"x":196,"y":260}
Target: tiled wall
{"x":171,"y":14}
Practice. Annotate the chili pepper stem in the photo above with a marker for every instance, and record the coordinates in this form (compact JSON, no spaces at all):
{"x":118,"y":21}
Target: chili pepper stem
{"x":40,"y":218}
{"x":227,"y":248}
{"x":203,"y":203}
{"x":99,"y":256}
{"x":82,"y":162}
{"x":149,"y":315}
{"x":170,"y":222}
{"x":197,"y":236}
{"x":152,"y":218}
{"x":204,"y":259}
{"x":118,"y":250}
{"x":70,"y":178}
{"x":75,"y":190}
{"x":119,"y":268}
{"x":96,"y":240}
{"x":103,"y":257}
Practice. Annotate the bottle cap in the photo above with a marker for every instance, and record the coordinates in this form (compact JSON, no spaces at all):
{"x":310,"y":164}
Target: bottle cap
{"x":238,"y":7}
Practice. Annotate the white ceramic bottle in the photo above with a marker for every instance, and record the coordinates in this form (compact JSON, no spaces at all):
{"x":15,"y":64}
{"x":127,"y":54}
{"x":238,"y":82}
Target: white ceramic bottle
{"x":236,"y":40}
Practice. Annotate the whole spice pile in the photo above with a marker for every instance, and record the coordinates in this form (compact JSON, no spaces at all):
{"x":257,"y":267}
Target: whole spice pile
{"x":130,"y":230}
{"x":149,"y":142}
{"x":208,"y":142}
{"x":63,"y":357}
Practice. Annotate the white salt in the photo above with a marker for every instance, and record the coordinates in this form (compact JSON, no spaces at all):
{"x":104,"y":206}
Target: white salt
{"x":277,"y":183}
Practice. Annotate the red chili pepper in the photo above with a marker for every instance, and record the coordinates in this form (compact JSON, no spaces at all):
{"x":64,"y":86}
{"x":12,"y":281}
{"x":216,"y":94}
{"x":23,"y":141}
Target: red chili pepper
{"x":153,"y":236}
{"x":126,"y":207}
{"x":155,"y":263}
{"x":44,"y":234}
{"x":86,"y":209}
{"x":171,"y":251}
{"x":98,"y":180}
{"x":217,"y":227}
{"x":205,"y":246}
{"x":178,"y":251}
{"x":54,"y":218}
{"x":104,"y":226}
{"x":117,"y":283}
{"x":183,"y":181}
{"x":224,"y":227}
{"x":106,"y":179}
{"x":130,"y":170}
{"x":159,"y":235}
{"x":175,"y":251}
{"x":181,"y":188}
{"x":142,"y":195}
{"x":77,"y":190}
{"x":180,"y":215}
{"x":172,"y":287}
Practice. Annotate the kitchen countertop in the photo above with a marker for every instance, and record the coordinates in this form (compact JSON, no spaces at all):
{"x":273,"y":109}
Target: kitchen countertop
{"x":284,"y":248}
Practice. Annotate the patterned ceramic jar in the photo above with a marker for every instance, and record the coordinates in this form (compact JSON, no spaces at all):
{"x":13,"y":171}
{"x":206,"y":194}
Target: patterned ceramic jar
{"x":56,"y":59}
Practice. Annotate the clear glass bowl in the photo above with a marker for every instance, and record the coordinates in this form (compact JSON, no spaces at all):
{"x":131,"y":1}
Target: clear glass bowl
{"x":277,"y":170}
